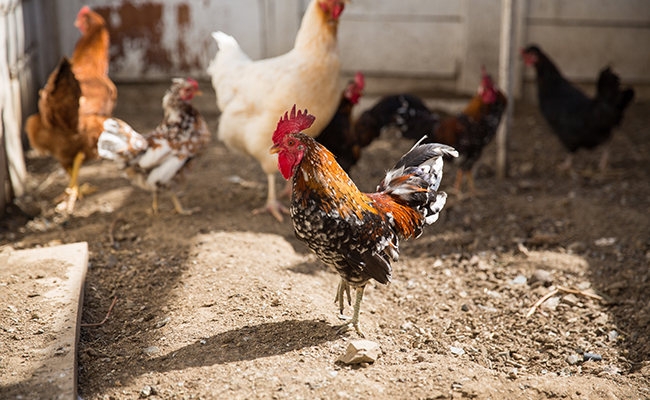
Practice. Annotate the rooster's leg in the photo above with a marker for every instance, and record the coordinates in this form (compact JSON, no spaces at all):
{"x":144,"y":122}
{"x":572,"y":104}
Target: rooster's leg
{"x":179,"y":207}
{"x":354,"y":323}
{"x":273,"y":206}
{"x":344,"y":288}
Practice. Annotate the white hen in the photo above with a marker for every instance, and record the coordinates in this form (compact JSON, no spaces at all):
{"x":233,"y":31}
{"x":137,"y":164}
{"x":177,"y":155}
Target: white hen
{"x":253,"y":95}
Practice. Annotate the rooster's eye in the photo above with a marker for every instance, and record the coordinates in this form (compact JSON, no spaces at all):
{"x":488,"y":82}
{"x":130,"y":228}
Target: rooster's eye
{"x":290,"y":142}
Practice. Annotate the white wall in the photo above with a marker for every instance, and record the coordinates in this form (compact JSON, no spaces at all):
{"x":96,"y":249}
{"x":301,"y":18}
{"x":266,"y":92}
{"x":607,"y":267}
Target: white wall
{"x":406,"y":45}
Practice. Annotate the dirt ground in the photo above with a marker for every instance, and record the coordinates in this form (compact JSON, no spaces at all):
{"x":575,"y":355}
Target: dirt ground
{"x":224,"y":304}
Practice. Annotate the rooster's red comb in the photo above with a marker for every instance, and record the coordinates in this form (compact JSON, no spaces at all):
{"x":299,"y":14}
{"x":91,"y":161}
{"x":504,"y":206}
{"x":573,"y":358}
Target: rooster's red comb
{"x":292,"y":123}
{"x":486,"y":78}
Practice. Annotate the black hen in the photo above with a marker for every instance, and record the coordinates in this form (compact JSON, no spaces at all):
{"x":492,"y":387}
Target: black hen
{"x":577,"y":120}
{"x":405,"y":112}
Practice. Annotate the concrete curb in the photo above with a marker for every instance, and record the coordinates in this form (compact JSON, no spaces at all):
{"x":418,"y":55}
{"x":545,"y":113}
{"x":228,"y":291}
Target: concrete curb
{"x":53,"y":278}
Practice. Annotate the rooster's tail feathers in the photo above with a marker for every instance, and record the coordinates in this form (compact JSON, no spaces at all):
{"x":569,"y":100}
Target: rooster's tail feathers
{"x":416,"y":177}
{"x":119,"y":142}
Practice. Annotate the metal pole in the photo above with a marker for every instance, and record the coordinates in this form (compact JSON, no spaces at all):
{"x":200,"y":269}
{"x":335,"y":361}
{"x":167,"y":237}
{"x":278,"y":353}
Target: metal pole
{"x":506,"y":68}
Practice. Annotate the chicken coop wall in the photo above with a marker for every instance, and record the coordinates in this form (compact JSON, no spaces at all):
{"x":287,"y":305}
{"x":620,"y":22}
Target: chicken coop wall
{"x":28,"y":52}
{"x":425,"y":46}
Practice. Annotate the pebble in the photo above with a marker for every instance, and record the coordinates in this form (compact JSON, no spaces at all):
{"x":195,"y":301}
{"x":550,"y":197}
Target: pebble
{"x":570,"y":299}
{"x":552,"y":303}
{"x":360,"y":351}
{"x":612,"y":335}
{"x":457,"y":350}
{"x":162,"y":322}
{"x":577,"y":247}
{"x":541,"y":277}
{"x":151,"y":350}
{"x":592,"y":357}
{"x":519,"y":280}
{"x":573,"y":359}
{"x":111,"y":261}
{"x":146,"y":391}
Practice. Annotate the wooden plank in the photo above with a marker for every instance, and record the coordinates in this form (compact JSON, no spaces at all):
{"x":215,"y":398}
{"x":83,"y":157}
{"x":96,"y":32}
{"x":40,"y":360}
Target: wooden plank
{"x":506,"y":63}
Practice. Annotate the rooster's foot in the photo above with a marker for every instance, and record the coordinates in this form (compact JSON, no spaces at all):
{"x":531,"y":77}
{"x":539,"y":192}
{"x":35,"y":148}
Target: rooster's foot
{"x":350,"y":326}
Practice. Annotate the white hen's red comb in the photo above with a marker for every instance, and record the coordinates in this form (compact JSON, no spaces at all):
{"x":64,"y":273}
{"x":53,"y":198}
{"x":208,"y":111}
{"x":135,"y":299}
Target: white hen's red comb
{"x":292,"y":123}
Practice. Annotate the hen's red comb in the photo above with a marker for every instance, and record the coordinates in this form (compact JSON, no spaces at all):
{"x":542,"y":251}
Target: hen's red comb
{"x":193,"y":83}
{"x":359,"y":80}
{"x":84,"y":10}
{"x":292,"y":123}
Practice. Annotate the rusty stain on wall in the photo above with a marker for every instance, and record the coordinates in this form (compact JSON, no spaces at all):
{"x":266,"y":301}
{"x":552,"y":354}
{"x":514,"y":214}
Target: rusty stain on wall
{"x":144,"y":43}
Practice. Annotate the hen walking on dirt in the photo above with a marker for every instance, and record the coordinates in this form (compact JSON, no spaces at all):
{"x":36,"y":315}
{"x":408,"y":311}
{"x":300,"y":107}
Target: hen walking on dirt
{"x":356,"y":233}
{"x":577,"y":120}
{"x":74,"y":103}
{"x":153,"y":160}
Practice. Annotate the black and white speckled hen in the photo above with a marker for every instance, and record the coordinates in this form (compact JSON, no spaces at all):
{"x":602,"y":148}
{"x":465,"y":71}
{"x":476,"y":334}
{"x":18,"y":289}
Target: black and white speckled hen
{"x":356,"y":233}
{"x":153,"y":160}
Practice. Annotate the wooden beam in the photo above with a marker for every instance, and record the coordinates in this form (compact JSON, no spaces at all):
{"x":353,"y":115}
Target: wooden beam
{"x":506,"y":68}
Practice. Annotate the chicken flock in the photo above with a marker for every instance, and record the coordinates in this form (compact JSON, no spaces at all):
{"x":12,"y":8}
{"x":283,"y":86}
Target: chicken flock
{"x":357,"y":234}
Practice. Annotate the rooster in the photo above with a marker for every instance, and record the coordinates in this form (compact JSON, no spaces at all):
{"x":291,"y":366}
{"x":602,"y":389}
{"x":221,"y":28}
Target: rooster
{"x":73,"y":105}
{"x":251,"y":94}
{"x":153,"y":160}
{"x":577,"y":120}
{"x":468,"y":132}
{"x":472,"y":129}
{"x":339,"y":136}
{"x":358,"y":234}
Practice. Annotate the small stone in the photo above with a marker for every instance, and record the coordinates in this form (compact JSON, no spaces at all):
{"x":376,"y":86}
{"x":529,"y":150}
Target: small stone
{"x":592,"y":357}
{"x":612,"y":335}
{"x":360,"y":351}
{"x":519,"y":280}
{"x":162,"y":322}
{"x":407,"y":325}
{"x":13,"y":309}
{"x":541,"y":277}
{"x":457,"y":350}
{"x":513,"y":373}
{"x":604,"y":242}
{"x":146,"y":391}
{"x":573,"y":359}
{"x":570,"y":299}
{"x":151,"y":350}
{"x":577,"y":247}
{"x":552,"y":303}
{"x":111,"y":261}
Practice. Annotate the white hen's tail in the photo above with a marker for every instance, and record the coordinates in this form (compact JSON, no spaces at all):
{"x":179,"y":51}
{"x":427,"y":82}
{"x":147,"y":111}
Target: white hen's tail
{"x":226,"y":67}
{"x":120,"y":143}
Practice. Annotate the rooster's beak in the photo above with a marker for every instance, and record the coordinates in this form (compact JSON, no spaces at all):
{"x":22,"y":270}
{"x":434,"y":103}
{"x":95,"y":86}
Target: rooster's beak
{"x":274,"y":150}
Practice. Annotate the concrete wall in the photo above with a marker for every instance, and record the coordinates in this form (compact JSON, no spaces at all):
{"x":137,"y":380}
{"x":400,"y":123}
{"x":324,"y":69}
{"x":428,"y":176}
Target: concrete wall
{"x":414,"y":45}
